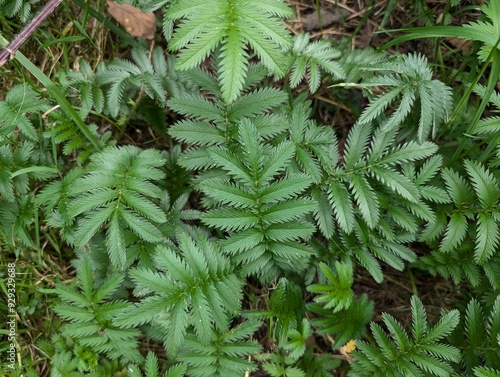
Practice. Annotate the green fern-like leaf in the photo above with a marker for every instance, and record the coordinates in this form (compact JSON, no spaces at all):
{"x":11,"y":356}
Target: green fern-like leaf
{"x":178,"y":215}
{"x":84,"y":81}
{"x":54,"y":198}
{"x":63,"y":364}
{"x":485,"y":184}
{"x":117,"y":191}
{"x":316,"y":365}
{"x":262,"y":214}
{"x":63,"y":132}
{"x":460,"y":265}
{"x":16,"y":222}
{"x":20,"y":101}
{"x":352,"y":182}
{"x":199,"y":132}
{"x":230,"y":25}
{"x":278,"y":365}
{"x":89,"y":312}
{"x":310,"y":57}
{"x":344,"y":324}
{"x":469,"y":233}
{"x":122,"y":76}
{"x":216,"y":123}
{"x":478,"y":336}
{"x":296,"y":344}
{"x":338,"y":294}
{"x":19,"y":166}
{"x":489,"y":127}
{"x":354,"y":62}
{"x":286,"y":304}
{"x":22,"y":165}
{"x":315,"y":147}
{"x":398,"y":354}
{"x":18,"y":8}
{"x":225,"y":355}
{"x":366,"y":220}
{"x":193,"y":288}
{"x":409,"y":78}
{"x":151,"y":368}
{"x":486,"y":372}
{"x":351,"y":190}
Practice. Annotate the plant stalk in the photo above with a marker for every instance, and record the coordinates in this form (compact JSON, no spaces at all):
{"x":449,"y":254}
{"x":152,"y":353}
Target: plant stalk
{"x":9,"y":51}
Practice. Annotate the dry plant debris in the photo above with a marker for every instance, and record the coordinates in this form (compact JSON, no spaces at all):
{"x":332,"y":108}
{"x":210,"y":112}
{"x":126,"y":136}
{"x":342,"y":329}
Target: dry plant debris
{"x":135,"y":21}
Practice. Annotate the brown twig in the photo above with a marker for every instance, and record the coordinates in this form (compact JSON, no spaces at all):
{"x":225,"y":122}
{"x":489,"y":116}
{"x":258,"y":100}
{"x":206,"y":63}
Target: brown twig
{"x":9,"y":51}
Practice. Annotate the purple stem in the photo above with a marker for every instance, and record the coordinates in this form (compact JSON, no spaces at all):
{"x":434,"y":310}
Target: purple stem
{"x":9,"y":51}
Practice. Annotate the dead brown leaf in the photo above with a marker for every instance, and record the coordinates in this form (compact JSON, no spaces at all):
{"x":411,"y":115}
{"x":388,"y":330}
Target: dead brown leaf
{"x":135,"y":21}
{"x":462,"y":45}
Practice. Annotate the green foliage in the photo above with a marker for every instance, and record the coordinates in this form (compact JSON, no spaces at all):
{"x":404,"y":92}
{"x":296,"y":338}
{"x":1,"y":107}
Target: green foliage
{"x":336,"y":295}
{"x":355,"y":62}
{"x":310,"y":57}
{"x":114,"y":84}
{"x":81,"y":362}
{"x":16,"y":116}
{"x":296,"y":344}
{"x":117,"y":191}
{"x":63,"y":364}
{"x":20,"y":101}
{"x":20,"y":165}
{"x":486,"y":31}
{"x":316,"y":150}
{"x":54,"y":198}
{"x":282,"y":366}
{"x":179,"y":178}
{"x":364,"y":160}
{"x":478,"y":338}
{"x":286,"y":306}
{"x":20,"y":8}
{"x":225,"y":354}
{"x":409,"y":79}
{"x":84,"y":82}
{"x":490,"y":124}
{"x":318,"y":365}
{"x":193,"y":288}
{"x":211,"y":123}
{"x":151,"y":368}
{"x":346,"y":324}
{"x":63,"y":132}
{"x":178,"y":216}
{"x":227,"y":27}
{"x":398,"y":354}
{"x":17,"y":222}
{"x":486,"y":372}
{"x":24,"y":163}
{"x":310,"y":365}
{"x":488,"y":128}
{"x":262,"y":214}
{"x":89,"y":310}
{"x":357,"y":191}
{"x":249,"y":206}
{"x":470,"y":234}
{"x":122,"y":76}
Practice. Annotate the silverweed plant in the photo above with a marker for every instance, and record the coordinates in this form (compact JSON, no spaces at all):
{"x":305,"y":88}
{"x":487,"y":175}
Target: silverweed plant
{"x":234,"y":241}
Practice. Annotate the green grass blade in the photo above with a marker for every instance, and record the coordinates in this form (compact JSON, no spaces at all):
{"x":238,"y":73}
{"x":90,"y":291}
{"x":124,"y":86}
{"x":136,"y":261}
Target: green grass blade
{"x":56,"y":93}
{"x":441,"y":32}
{"x":34,"y":169}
